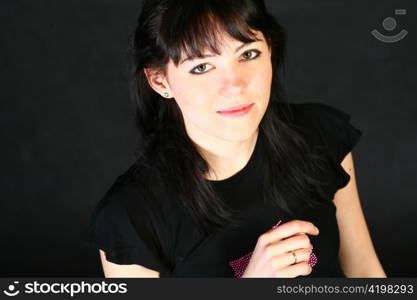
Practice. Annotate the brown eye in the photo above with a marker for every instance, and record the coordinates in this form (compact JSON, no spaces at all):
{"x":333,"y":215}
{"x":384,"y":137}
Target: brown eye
{"x":251,"y":54}
{"x":200,"y":69}
{"x":247,"y":55}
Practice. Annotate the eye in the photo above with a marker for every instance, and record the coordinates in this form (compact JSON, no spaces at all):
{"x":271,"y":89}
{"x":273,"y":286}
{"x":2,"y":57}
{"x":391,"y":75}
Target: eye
{"x":248,"y":55}
{"x":200,"y":69}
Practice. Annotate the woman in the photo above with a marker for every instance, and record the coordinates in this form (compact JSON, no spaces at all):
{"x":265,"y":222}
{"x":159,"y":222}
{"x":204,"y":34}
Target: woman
{"x":231,"y":180}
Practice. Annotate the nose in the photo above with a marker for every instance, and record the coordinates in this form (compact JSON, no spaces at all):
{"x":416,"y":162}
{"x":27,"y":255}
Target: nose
{"x":232,"y":81}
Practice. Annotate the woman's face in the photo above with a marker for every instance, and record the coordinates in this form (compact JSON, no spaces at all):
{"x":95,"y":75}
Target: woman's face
{"x":242,"y":74}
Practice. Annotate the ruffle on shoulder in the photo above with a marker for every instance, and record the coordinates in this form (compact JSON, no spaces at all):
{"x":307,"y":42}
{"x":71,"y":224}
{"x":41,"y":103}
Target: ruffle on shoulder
{"x":340,"y":136}
{"x":335,"y":132}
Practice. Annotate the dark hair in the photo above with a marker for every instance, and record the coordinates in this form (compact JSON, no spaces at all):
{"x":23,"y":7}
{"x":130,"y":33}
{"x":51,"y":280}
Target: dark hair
{"x":167,"y":29}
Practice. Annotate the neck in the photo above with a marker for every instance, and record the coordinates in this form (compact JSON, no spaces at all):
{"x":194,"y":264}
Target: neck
{"x":226,"y":158}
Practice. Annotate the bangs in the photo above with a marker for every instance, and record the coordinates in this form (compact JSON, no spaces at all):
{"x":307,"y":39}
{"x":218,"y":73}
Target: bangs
{"x":193,"y":27}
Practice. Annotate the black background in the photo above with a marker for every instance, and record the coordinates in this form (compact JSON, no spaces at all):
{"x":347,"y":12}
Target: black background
{"x":68,"y":130}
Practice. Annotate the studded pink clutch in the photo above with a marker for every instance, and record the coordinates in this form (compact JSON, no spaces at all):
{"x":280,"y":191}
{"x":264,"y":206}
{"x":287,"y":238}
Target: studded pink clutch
{"x":239,"y":265}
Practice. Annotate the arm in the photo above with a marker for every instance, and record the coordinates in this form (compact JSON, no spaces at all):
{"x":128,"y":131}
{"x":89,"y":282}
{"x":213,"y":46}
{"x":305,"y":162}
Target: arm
{"x":357,"y":255}
{"x":114,"y":270}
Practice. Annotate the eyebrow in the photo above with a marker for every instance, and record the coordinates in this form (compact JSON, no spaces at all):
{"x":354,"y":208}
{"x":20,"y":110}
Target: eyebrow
{"x":211,"y":55}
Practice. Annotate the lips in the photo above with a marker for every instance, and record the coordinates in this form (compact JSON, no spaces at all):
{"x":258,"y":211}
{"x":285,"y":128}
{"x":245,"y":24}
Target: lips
{"x":235,"y":108}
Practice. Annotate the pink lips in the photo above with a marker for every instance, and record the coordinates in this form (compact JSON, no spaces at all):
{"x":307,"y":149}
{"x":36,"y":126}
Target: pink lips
{"x":236,"y":110}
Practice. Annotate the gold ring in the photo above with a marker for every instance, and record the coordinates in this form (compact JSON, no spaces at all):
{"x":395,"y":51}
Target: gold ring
{"x":295,"y":257}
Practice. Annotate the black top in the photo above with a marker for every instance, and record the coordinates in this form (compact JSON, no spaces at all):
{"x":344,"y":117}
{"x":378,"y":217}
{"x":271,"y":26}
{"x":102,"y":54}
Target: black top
{"x":155,"y":233}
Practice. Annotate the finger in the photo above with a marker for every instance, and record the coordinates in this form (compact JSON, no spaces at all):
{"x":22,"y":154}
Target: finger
{"x":290,"y":244}
{"x":300,"y":234}
{"x":297,"y":256}
{"x":288,"y":229}
{"x":299,"y":269}
{"x":288,"y":259}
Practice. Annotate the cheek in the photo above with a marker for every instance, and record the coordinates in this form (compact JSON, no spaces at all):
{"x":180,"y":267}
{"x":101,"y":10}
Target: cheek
{"x":193,"y":100}
{"x":261,"y":81}
{"x":191,"y":95}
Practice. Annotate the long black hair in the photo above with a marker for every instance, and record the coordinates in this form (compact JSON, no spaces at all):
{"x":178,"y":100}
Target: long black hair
{"x":166,"y":29}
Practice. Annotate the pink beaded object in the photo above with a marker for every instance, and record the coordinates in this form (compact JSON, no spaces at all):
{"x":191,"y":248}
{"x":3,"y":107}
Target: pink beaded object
{"x":239,"y":265}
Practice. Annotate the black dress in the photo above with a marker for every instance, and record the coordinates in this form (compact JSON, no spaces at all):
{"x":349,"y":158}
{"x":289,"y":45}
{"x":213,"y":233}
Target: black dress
{"x":153,"y":232}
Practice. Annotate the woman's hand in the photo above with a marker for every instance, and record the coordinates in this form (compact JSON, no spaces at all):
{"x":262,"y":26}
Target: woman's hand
{"x":272,"y":256}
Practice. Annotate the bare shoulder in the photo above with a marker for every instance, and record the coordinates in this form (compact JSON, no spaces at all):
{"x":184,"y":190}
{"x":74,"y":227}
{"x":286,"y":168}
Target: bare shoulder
{"x":357,"y":254}
{"x":112,"y":270}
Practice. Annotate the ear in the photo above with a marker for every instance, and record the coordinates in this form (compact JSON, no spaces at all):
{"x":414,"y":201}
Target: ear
{"x":158,"y":82}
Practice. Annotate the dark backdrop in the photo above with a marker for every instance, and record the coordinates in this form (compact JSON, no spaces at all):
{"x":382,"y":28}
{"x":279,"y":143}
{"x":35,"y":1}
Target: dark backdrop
{"x":68,"y":130}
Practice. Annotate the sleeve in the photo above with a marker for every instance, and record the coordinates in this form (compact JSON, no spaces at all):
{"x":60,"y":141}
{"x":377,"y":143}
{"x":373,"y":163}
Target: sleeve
{"x":124,"y":241}
{"x":338,"y":136}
